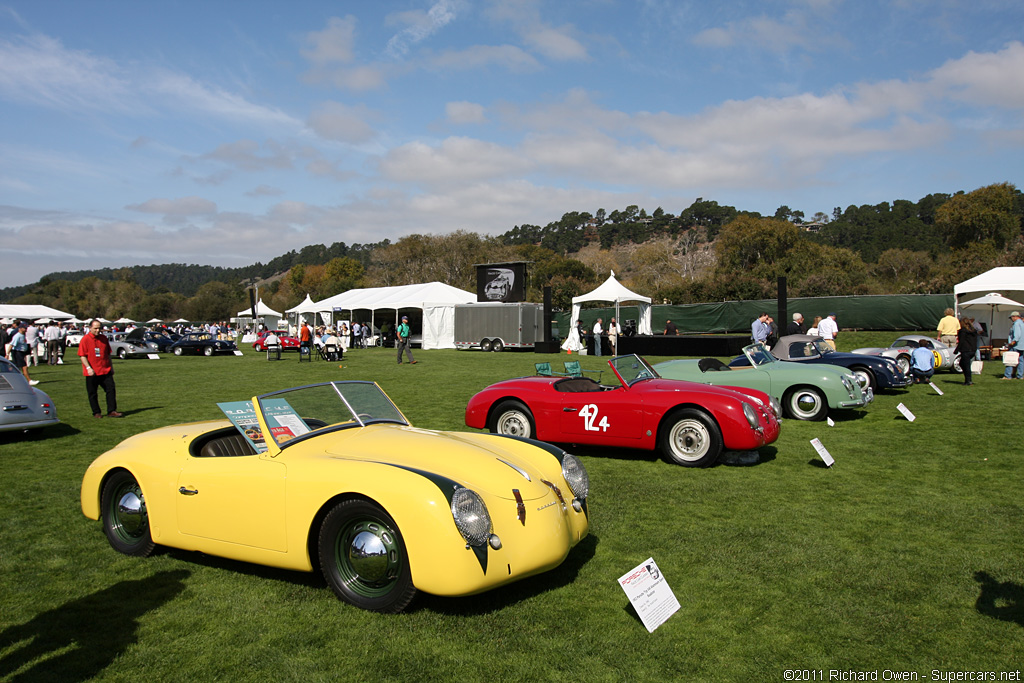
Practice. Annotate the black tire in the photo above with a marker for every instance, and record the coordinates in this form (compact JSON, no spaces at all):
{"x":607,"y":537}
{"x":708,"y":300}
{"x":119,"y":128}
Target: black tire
{"x":903,"y":361}
{"x":177,"y":350}
{"x":363,"y":557}
{"x":956,"y":368}
{"x":805,"y":403}
{"x":691,"y":438}
{"x":125,"y":517}
{"x":207,"y":350}
{"x":122,"y":353}
{"x":497,"y":346}
{"x":865,"y":377}
{"x":485,"y":345}
{"x":513,"y":419}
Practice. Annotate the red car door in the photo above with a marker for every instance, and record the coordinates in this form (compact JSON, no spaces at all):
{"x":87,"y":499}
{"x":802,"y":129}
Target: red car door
{"x":612,"y":418}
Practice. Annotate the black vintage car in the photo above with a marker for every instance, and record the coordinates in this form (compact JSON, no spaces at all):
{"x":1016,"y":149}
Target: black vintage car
{"x":162,"y":340}
{"x":201,"y":342}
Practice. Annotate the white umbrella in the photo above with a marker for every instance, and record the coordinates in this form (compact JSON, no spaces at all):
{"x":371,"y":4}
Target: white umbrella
{"x":124,"y":320}
{"x":43,"y":320}
{"x":996,"y":302}
{"x":181,"y":320}
{"x":154,"y":320}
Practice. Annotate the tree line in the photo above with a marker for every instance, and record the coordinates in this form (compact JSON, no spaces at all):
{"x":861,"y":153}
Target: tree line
{"x":708,"y":252}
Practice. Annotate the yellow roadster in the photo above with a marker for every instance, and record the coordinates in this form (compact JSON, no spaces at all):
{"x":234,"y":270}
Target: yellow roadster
{"x":332,"y":477}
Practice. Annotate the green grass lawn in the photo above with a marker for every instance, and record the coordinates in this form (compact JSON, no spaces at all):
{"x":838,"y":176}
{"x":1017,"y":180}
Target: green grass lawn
{"x":907,"y":555}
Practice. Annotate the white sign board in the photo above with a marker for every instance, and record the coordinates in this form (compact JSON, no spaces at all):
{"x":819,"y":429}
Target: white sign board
{"x":906,"y":412}
{"x":647,"y":590}
{"x":937,"y":390}
{"x":238,"y":353}
{"x":830,"y":422}
{"x":152,"y":356}
{"x":823,"y":452}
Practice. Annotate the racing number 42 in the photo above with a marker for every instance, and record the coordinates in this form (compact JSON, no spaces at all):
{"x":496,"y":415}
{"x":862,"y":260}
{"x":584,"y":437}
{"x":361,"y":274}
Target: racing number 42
{"x":589,"y":415}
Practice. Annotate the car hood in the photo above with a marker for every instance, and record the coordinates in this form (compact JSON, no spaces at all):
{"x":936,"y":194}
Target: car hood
{"x":494,"y":461}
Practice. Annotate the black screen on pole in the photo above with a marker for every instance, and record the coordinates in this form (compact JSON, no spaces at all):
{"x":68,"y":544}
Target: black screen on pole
{"x":505,"y":282}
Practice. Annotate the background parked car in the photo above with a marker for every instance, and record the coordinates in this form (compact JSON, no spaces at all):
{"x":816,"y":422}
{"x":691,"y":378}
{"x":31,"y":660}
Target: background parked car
{"x":21,"y":405}
{"x":201,"y":342}
{"x":130,"y":344}
{"x":287,"y":342}
{"x":901,"y":349}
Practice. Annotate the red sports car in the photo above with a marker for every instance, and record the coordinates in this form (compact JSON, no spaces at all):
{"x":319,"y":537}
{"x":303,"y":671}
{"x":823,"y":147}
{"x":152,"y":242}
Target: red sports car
{"x":286,"y":341}
{"x":690,"y":423}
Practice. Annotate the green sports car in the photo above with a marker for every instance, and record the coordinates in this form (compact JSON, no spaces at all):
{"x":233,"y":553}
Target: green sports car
{"x":806,"y":392}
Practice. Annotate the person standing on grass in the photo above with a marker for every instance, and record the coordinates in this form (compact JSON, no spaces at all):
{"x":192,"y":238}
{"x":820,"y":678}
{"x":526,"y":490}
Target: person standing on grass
{"x":947,"y":328}
{"x":966,"y":346}
{"x":1015,"y":342}
{"x":94,"y":350}
{"x":19,"y":352}
{"x":828,"y":330}
{"x":404,"y":343}
{"x":598,"y":330}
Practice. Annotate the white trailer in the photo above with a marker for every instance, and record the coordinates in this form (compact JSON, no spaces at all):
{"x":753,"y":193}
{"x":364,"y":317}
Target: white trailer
{"x":497,"y":326}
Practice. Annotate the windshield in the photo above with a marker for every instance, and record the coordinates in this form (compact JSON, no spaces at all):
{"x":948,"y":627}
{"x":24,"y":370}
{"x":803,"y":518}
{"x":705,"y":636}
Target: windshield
{"x":632,"y":368}
{"x":294,"y":412}
{"x":758,"y":354}
{"x":809,"y":349}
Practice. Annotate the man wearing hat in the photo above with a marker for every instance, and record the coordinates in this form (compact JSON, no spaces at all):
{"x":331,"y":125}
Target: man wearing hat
{"x":829,"y":330}
{"x":403,"y":340}
{"x":1015,"y":342}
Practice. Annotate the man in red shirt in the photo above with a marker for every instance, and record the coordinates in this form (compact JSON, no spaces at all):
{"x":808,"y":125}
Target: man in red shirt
{"x":94,"y":350}
{"x":305,"y":339}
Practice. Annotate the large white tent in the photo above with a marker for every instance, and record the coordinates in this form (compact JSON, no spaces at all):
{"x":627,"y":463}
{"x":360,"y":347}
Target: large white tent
{"x":31,"y":312}
{"x":436,"y":299}
{"x":307,"y":311}
{"x":1008,"y":281}
{"x":612,"y":290}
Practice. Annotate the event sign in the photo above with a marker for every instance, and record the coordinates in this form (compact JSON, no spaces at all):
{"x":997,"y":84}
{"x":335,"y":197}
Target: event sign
{"x":830,"y":422}
{"x":283,"y":421}
{"x":823,"y":452}
{"x":937,"y":390}
{"x":906,"y":412}
{"x":153,"y":356}
{"x":648,"y":591}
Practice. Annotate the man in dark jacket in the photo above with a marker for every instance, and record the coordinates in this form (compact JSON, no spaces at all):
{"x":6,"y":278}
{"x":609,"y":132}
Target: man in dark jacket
{"x":797,"y":326}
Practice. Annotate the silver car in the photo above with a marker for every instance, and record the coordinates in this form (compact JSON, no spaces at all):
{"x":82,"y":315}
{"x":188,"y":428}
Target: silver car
{"x":131,"y":344}
{"x":21,"y":405}
{"x":901,"y":349}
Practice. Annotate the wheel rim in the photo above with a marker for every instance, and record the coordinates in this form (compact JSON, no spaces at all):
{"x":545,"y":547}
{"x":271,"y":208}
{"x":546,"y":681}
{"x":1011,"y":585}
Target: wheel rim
{"x":863,"y":378}
{"x":129,"y":519}
{"x":121,"y":354}
{"x":514,"y":423}
{"x":208,"y":350}
{"x":805,"y":404}
{"x":177,"y":351}
{"x":689,"y":439}
{"x":368,"y":558}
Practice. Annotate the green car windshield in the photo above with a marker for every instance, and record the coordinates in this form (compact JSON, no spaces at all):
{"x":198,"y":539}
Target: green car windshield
{"x":632,"y":368}
{"x":758,"y":354}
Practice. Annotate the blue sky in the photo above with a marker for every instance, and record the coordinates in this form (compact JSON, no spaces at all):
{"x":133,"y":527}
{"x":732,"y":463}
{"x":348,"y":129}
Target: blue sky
{"x":230,"y":132}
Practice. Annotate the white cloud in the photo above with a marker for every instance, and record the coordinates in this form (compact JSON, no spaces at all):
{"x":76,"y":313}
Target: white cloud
{"x":184,"y":206}
{"x":987,"y":79}
{"x":183,"y":91}
{"x":334,"y":45}
{"x":244,"y":155}
{"x":421,"y":25}
{"x":509,"y":57}
{"x":556,"y":44}
{"x":455,"y":160}
{"x":264,"y":191}
{"x":337,"y":121}
{"x":464,"y":112}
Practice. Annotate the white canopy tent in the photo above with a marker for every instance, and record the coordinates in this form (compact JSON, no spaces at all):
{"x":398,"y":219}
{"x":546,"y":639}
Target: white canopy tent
{"x":612,"y":290}
{"x":435,"y":299}
{"x":31,"y":312}
{"x":269,"y":316}
{"x":1007,"y":281}
{"x":307,"y":311}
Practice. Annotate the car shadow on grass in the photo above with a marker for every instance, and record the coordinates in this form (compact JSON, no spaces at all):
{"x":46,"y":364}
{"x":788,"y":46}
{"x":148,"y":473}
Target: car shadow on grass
{"x":505,"y":596}
{"x":57,"y":431}
{"x":77,"y":640}
{"x":195,"y":557}
{"x":1003,"y":600}
{"x":728,"y":458}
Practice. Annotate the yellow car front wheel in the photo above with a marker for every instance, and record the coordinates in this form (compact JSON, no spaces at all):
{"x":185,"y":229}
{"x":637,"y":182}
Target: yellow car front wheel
{"x":125,"y":517}
{"x":363,"y":557}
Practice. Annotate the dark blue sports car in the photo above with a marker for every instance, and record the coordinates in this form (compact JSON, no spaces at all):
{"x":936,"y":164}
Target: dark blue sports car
{"x":876,"y":372}
{"x":202,"y":342}
{"x":163,"y":341}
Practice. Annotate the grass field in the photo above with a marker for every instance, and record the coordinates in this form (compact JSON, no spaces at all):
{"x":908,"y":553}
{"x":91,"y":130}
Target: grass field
{"x":906,"y":556}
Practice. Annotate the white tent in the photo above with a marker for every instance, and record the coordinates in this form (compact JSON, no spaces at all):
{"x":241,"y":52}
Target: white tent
{"x":307,"y":311}
{"x":268,"y":315}
{"x":436,"y":299}
{"x":612,"y":290}
{"x":1008,"y":281}
{"x":31,"y":312}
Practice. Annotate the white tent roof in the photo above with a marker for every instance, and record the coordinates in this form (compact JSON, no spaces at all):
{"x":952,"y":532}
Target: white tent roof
{"x":261,"y":309}
{"x":1007,"y":280}
{"x":124,"y":320}
{"x":307,"y":306}
{"x":401,"y":296}
{"x":614,"y":291}
{"x":31,"y":312}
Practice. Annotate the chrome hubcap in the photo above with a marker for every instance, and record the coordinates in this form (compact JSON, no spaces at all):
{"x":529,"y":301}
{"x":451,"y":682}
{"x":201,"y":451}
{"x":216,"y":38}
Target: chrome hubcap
{"x":689,"y":439}
{"x":514,"y":424}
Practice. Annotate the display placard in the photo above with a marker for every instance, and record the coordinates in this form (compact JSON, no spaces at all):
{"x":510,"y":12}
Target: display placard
{"x":906,"y":412}
{"x":283,"y":421}
{"x":648,"y":591}
{"x":823,"y":452}
{"x":937,"y":390}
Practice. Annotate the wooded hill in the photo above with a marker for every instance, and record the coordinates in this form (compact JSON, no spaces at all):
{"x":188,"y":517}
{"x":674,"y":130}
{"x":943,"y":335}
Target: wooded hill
{"x":709,"y":252}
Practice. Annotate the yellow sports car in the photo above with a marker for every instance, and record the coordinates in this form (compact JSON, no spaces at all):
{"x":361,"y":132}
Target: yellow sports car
{"x":332,"y":477}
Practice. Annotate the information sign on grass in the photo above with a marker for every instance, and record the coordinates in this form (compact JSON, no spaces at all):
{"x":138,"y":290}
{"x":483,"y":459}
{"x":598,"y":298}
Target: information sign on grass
{"x":648,"y":591}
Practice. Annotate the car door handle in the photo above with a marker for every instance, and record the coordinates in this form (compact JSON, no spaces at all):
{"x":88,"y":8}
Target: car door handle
{"x":187,"y":492}
{"x":568,"y":410}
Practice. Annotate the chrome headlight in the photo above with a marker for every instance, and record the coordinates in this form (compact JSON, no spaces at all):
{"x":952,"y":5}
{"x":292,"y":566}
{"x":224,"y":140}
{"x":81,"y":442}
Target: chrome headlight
{"x":575,"y":476}
{"x":776,"y":408}
{"x":471,"y":516}
{"x":848,"y":384}
{"x":751,"y":415}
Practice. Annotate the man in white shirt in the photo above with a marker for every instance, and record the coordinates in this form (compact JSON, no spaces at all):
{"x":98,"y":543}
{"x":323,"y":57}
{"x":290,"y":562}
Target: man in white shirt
{"x":52,"y":337}
{"x":829,"y":330}
{"x":598,"y":329}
